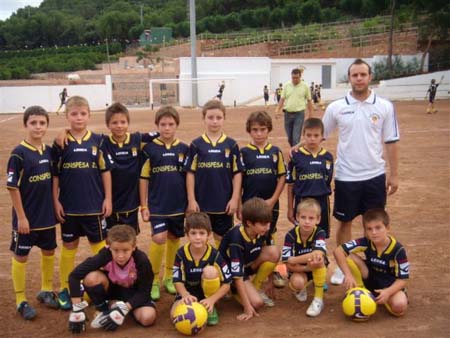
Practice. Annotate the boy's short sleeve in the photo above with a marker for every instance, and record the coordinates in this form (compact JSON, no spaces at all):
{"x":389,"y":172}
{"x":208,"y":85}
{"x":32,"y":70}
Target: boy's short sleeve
{"x":191,"y":160}
{"x":15,"y":166}
{"x":281,"y":166}
{"x":320,"y":241}
{"x":355,"y":245}
{"x":236,"y":260}
{"x":56,"y":159}
{"x":177,"y":274}
{"x":223,"y":268}
{"x":149,"y":137}
{"x":238,"y":165}
{"x":401,"y":264}
{"x":290,"y":176}
{"x":288,"y":247}
{"x":146,"y":165}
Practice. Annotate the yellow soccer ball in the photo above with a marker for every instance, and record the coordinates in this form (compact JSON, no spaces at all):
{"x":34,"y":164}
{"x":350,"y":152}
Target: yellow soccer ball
{"x":359,"y":304}
{"x":190,"y":319}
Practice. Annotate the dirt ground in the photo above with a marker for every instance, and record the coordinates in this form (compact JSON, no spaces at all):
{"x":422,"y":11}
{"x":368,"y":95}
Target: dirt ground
{"x":422,"y":203}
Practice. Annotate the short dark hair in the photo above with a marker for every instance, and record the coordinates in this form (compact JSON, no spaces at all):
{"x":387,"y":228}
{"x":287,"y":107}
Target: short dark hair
{"x":121,"y":233}
{"x":213,"y":104}
{"x":296,"y":71}
{"x":359,"y":62}
{"x":197,"y":220}
{"x":313,"y":122}
{"x":256,"y":210}
{"x":167,"y":111}
{"x":376,"y":214}
{"x":116,"y":108}
{"x":34,"y":110}
{"x":260,"y":117}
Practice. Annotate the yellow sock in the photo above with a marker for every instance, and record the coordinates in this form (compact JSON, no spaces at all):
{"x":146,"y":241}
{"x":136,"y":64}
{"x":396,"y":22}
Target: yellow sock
{"x":47,"y":266}
{"x":264,"y":270}
{"x":155,"y":254}
{"x":96,"y":247}
{"x":18,"y":270}
{"x":217,"y":243}
{"x":210,"y":286}
{"x":66,"y":264}
{"x":171,"y":251}
{"x":319,"y":277}
{"x":355,"y":272}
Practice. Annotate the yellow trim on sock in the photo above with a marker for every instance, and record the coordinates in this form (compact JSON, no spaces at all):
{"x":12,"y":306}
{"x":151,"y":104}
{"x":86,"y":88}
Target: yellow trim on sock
{"x":18,"y":272}
{"x":210,"y":286}
{"x":47,"y":267}
{"x":171,"y":251}
{"x":66,"y":264}
{"x":155,"y":255}
{"x":264,"y":270}
{"x":319,"y":278}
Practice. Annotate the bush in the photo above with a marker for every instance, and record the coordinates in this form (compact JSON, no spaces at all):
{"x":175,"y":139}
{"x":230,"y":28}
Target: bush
{"x":399,"y":68}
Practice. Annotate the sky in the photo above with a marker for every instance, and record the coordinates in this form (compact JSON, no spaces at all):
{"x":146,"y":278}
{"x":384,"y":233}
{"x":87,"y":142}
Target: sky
{"x":8,"y":7}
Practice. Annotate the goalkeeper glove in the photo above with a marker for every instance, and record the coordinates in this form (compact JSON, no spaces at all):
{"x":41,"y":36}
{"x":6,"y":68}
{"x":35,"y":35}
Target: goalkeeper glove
{"x":77,"y":318}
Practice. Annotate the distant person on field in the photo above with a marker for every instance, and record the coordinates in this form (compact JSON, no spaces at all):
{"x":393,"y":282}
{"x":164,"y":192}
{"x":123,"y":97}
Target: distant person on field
{"x":431,"y":93}
{"x":278,"y":92}
{"x":221,"y":89}
{"x":62,"y":96}
{"x":266,"y":95}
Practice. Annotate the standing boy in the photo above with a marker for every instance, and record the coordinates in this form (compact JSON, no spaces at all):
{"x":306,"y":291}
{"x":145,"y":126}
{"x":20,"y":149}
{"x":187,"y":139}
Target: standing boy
{"x":305,"y":252}
{"x":278,"y":92}
{"x":431,"y":93}
{"x":385,"y":269}
{"x":214,"y":175}
{"x":310,"y":173}
{"x":244,"y":249}
{"x":266,"y":95}
{"x":33,"y":220}
{"x":81,"y":190}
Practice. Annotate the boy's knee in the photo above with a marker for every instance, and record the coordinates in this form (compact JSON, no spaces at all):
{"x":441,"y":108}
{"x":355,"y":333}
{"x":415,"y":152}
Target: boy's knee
{"x":147,"y":318}
{"x":272,"y":253}
{"x":258,"y":303}
{"x":160,"y":238}
{"x":210,"y":272}
{"x":398,"y":307}
{"x":297,"y":283}
{"x":94,"y":278}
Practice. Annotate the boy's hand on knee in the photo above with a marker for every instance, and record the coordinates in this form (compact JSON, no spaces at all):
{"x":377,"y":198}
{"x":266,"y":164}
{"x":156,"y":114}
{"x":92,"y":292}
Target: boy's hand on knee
{"x":383,"y":296}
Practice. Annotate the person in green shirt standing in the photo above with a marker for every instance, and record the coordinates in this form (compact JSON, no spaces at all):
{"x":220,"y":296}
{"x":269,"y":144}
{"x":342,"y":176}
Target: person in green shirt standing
{"x":294,"y":99}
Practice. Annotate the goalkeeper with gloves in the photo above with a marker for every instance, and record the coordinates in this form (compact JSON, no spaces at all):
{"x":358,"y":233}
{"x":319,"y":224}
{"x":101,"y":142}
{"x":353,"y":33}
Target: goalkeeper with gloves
{"x":117,"y":280}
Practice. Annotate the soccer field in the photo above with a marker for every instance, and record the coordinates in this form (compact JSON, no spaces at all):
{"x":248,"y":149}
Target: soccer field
{"x":420,"y":221}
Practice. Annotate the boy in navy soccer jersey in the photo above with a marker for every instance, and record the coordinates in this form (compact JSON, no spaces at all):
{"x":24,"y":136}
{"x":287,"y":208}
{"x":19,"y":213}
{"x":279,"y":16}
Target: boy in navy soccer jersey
{"x":385,"y":269}
{"x":243,"y":247}
{"x":162,"y":190}
{"x":33,"y":220}
{"x":200,"y":273}
{"x":123,"y":150}
{"x":304,"y":253}
{"x":81,"y":190}
{"x":117,"y":280}
{"x":214,"y":175}
{"x":310,"y":173}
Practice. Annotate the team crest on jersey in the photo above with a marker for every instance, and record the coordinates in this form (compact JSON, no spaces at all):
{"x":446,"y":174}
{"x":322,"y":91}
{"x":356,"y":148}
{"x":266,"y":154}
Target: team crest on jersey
{"x":180,"y":157}
{"x":328,"y":165}
{"x":10,"y":176}
{"x":227,"y":152}
{"x":134,"y":151}
{"x":274,"y":158}
{"x":374,"y":118}
{"x":94,"y":150}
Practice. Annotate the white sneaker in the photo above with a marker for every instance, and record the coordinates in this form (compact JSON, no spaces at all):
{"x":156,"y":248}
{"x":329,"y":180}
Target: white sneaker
{"x":302,"y":295}
{"x":266,"y":299}
{"x":338,"y":277}
{"x":98,"y":316}
{"x":315,"y":308}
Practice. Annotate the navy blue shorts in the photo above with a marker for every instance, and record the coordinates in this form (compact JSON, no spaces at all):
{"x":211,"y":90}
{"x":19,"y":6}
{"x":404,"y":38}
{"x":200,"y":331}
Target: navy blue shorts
{"x":221,"y":223}
{"x":355,"y":198}
{"x":324,"y":202}
{"x":173,"y":224}
{"x":21,"y":244}
{"x":129,"y":218}
{"x":93,"y":227}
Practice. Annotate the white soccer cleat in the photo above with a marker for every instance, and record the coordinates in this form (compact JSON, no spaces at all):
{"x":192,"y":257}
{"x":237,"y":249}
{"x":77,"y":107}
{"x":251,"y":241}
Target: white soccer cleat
{"x":338,"y":277}
{"x":266,"y":299}
{"x":315,"y":308}
{"x":302,"y":295}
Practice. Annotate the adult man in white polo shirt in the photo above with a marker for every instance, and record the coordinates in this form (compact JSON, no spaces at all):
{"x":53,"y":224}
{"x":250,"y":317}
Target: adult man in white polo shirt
{"x":365,"y":121}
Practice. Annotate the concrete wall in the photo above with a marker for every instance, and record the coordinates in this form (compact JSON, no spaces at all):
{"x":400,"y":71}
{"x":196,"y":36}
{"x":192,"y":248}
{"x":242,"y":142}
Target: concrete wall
{"x":244,"y":78}
{"x":17,"y":99}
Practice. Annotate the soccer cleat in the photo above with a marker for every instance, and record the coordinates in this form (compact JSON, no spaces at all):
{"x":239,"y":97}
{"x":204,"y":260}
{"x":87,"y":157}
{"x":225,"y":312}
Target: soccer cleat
{"x":49,"y":299}
{"x":315,"y":308}
{"x":213,"y":317}
{"x":155,"y":293}
{"x":98,"y":318}
{"x":325,"y":287}
{"x":64,"y":300}
{"x":266,"y":299}
{"x":278,"y":281}
{"x":26,"y":310}
{"x":338,"y":277}
{"x":168,"y":285}
{"x":302,"y":295}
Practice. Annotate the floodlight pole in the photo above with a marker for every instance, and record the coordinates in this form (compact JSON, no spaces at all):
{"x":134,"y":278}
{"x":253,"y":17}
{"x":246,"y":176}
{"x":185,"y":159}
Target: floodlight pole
{"x":193,"y":52}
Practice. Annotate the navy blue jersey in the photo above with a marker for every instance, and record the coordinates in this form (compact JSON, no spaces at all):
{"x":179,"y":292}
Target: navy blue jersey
{"x":262,"y":169}
{"x":384,"y":267}
{"x":240,"y":251}
{"x":163,"y":166}
{"x":294,"y":246}
{"x":30,"y":171}
{"x":189,"y":272}
{"x":79,"y":166}
{"x":214,"y":165}
{"x":126,"y":161}
{"x":311,"y":175}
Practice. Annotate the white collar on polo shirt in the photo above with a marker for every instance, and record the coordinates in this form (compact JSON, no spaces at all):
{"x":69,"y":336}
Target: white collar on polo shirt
{"x":371,"y":99}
